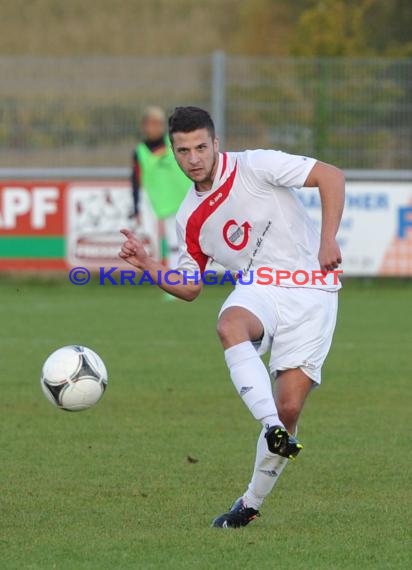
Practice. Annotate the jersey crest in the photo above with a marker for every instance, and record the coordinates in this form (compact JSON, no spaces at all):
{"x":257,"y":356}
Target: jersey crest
{"x":236,"y":236}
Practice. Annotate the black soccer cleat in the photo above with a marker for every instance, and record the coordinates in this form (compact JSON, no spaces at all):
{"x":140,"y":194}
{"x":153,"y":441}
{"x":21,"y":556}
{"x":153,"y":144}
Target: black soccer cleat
{"x":239,"y":515}
{"x":282,"y":443}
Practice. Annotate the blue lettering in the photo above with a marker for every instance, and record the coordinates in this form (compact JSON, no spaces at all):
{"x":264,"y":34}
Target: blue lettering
{"x":241,"y":276}
{"x":127,"y":276}
{"x":172,"y":272}
{"x":311,"y":200}
{"x":107,"y":275}
{"x":367,"y":201}
{"x":207,"y":281}
{"x":146,"y":278}
{"x":187,"y":278}
{"x":227,"y":278}
{"x":404,"y":221}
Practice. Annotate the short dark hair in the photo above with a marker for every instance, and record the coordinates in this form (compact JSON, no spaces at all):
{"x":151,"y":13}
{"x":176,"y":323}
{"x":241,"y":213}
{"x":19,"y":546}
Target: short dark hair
{"x":188,"y":119}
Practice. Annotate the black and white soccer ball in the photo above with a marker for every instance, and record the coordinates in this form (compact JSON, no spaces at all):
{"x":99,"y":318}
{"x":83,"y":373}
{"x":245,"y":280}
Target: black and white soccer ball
{"x":74,"y":378}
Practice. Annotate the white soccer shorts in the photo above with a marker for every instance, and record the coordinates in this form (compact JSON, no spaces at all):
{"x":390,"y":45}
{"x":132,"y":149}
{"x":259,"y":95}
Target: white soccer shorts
{"x":298,"y":324}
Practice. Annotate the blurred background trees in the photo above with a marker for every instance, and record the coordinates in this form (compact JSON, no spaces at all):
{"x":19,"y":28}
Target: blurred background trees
{"x":179,"y":27}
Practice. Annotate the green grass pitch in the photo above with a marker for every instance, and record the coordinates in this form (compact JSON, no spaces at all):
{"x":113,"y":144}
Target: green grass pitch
{"x":112,"y":487}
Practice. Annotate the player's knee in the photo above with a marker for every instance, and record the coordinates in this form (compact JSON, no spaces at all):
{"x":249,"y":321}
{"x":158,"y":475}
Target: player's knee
{"x":289,"y":414}
{"x":230,"y":331}
{"x":224,"y":329}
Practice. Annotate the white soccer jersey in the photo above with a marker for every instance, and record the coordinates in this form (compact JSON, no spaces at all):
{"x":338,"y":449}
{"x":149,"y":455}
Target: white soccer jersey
{"x":252,"y":219}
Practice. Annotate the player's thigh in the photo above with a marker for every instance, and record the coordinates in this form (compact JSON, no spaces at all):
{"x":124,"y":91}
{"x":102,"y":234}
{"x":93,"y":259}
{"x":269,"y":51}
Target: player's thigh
{"x":307,"y":319}
{"x":255,"y":302}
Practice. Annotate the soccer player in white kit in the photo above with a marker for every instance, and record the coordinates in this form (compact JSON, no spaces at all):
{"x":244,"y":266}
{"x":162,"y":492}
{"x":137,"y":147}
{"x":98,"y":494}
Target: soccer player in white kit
{"x":243,"y":213}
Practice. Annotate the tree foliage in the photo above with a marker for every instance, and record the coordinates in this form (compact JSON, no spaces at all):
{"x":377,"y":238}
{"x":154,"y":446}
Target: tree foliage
{"x":177,"y":27}
{"x":354,"y":28}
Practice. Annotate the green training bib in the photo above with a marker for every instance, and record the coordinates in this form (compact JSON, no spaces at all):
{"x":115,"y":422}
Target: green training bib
{"x":162,"y":179}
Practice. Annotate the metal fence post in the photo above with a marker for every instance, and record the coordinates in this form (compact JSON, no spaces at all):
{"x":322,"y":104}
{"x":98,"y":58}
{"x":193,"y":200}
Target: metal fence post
{"x":218,"y":94}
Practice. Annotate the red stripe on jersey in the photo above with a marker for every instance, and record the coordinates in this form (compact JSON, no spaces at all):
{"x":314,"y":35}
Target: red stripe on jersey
{"x":201,"y":214}
{"x":224,"y":164}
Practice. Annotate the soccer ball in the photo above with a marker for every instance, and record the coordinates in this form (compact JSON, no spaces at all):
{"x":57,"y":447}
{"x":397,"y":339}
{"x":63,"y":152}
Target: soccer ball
{"x":73,"y":378}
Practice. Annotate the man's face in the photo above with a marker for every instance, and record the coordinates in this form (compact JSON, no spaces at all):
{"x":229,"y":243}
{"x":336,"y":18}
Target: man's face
{"x":196,"y":154}
{"x":153,"y":128}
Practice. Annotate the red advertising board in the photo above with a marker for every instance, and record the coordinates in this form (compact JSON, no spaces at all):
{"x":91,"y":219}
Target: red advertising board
{"x":32,"y":225}
{"x":49,"y":225}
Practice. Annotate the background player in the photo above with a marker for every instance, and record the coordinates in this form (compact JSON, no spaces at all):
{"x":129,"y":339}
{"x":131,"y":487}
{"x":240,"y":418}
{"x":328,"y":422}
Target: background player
{"x":242,"y":212}
{"x":155,"y":169}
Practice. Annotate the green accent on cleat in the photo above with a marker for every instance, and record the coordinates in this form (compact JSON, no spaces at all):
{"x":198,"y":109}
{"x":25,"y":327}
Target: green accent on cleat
{"x":282,"y":443}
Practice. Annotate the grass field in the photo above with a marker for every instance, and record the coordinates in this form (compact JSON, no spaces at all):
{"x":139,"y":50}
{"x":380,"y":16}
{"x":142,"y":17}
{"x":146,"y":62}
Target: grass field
{"x":112,"y":488}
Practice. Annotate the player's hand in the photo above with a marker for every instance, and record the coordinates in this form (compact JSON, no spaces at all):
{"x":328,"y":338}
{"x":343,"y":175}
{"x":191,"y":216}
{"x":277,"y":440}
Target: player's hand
{"x":329,"y":255}
{"x":133,"y":250}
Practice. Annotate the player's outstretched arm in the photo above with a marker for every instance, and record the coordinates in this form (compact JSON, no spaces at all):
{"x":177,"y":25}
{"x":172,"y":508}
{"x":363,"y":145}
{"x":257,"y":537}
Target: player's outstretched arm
{"x":134,"y":253}
{"x":331,"y":183}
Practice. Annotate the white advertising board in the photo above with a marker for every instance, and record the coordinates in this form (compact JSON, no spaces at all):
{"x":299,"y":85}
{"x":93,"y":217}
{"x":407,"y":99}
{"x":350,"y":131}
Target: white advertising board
{"x":95,"y":213}
{"x":376,"y":230}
